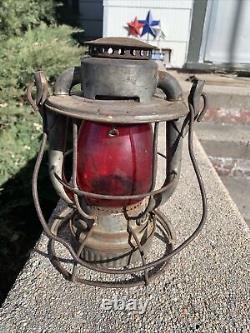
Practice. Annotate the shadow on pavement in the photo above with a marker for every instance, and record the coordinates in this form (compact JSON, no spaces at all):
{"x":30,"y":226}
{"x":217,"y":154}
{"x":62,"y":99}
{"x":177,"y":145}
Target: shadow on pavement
{"x":19,"y":225}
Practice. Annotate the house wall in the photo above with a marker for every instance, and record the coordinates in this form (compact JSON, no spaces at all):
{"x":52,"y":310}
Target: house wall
{"x":175,"y":17}
{"x":226,"y":39}
{"x":91,"y":18}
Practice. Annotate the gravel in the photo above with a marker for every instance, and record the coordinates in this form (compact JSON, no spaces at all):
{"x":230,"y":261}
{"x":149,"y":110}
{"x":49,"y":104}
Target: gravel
{"x":205,"y":289}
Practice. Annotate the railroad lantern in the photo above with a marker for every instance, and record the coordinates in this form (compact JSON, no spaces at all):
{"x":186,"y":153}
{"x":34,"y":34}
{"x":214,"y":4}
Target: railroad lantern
{"x":109,"y":132}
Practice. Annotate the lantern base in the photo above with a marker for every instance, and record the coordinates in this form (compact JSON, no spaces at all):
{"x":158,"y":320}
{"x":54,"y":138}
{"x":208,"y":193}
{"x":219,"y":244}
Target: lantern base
{"x":164,"y":234}
{"x":111,"y":242}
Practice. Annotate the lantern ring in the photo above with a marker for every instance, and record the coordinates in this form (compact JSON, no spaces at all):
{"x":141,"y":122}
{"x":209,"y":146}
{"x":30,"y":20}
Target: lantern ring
{"x":133,"y":282}
{"x":118,"y":197}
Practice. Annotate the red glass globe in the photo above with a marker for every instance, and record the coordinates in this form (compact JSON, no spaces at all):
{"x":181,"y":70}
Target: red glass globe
{"x":114,"y":160}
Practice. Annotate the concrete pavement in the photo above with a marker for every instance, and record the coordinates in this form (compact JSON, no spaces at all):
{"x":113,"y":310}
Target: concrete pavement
{"x":205,"y":289}
{"x":225,"y":131}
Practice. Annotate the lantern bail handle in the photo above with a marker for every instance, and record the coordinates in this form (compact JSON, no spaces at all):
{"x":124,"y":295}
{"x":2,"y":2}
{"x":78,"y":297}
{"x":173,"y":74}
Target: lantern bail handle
{"x":177,"y":129}
{"x":42,"y":91}
{"x":53,"y":124}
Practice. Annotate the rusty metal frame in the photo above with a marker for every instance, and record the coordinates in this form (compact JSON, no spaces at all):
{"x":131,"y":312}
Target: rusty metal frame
{"x":117,"y":111}
{"x":149,"y":275}
{"x":170,"y":111}
{"x":145,"y":266}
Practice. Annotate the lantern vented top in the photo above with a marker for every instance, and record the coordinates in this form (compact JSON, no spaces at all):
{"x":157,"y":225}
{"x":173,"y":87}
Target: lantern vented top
{"x":121,"y":48}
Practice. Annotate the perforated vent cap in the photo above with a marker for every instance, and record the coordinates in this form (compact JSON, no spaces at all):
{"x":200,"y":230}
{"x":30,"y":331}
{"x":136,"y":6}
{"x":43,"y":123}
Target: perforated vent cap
{"x":120,"y":47}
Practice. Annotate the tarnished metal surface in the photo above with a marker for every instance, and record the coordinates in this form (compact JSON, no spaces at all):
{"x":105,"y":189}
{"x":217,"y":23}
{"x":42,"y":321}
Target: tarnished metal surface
{"x":118,"y":79}
{"x":110,"y":244}
{"x":56,"y":128}
{"x":174,"y":138}
{"x":121,"y":48}
{"x":42,"y":91}
{"x":115,"y":91}
{"x":195,"y":97}
{"x":121,"y":112}
{"x":156,"y":265}
{"x":67,"y":80}
{"x":165,"y":234}
{"x":170,"y":86}
{"x":118,"y":249}
{"x":122,"y":42}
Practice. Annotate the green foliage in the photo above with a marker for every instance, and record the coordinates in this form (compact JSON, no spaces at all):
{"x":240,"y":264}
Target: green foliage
{"x":20,"y":130}
{"x":19,"y":227}
{"x":51,"y":49}
{"x":29,"y":41}
{"x":45,"y":48}
{"x":17,"y":16}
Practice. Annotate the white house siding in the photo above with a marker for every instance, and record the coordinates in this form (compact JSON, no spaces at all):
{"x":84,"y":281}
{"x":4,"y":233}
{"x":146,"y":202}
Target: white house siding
{"x":175,"y":17}
{"x":226,"y":38}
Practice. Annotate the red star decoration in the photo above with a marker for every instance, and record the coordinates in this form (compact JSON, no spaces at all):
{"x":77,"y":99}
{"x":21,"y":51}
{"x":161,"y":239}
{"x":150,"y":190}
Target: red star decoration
{"x":134,"y":27}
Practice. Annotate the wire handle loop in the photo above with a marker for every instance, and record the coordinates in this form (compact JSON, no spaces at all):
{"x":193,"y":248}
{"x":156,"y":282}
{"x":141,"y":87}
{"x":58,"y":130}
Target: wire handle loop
{"x":193,"y":102}
{"x":42,"y":91}
{"x":194,"y":98}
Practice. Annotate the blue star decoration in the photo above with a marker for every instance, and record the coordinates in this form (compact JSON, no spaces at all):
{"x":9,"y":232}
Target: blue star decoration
{"x":148,"y":25}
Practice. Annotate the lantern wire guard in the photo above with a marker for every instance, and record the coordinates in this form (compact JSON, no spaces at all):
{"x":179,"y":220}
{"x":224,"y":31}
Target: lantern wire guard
{"x":158,"y":218}
{"x":78,"y":107}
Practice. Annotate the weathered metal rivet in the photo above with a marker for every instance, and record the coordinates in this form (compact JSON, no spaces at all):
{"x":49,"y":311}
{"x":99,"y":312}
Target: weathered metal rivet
{"x":113,"y":132}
